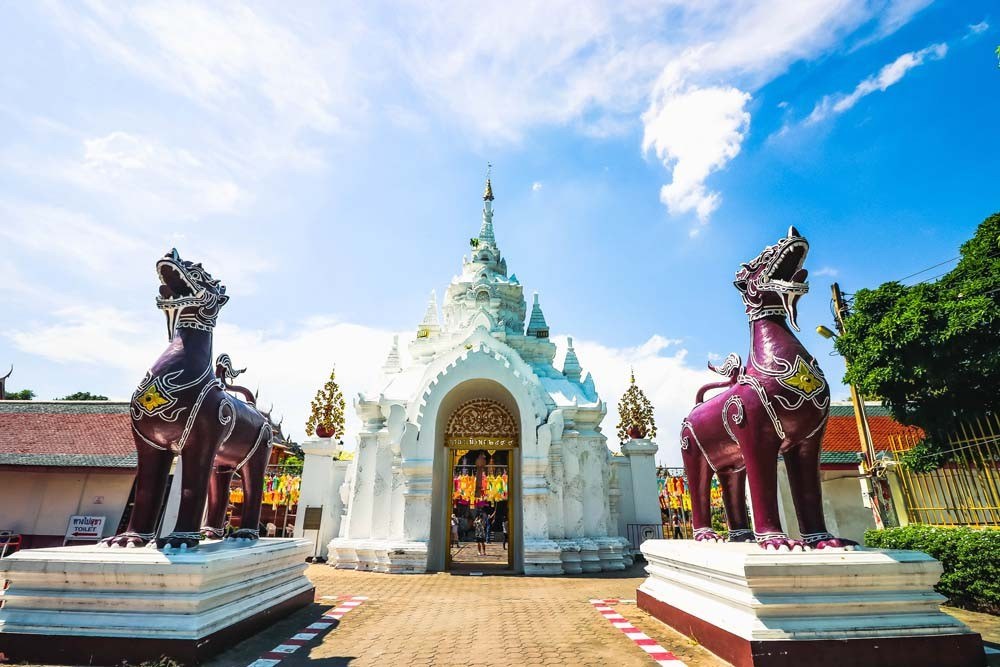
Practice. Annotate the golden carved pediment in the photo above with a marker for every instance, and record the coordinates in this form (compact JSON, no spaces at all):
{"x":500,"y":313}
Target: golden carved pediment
{"x":481,"y":424}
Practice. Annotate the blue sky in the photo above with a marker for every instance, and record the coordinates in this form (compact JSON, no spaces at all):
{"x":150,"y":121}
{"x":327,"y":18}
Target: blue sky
{"x":328,"y":165}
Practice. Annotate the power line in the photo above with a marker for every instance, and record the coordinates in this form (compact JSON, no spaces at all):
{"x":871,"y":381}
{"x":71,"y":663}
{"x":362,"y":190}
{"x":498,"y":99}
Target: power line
{"x":929,"y":268}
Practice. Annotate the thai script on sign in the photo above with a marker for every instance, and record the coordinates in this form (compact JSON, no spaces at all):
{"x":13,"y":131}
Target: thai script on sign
{"x":85,"y":528}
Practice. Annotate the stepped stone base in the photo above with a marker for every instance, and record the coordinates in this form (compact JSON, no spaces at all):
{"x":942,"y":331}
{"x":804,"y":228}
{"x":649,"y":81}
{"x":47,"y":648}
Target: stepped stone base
{"x":101,"y":606}
{"x":826,"y":608}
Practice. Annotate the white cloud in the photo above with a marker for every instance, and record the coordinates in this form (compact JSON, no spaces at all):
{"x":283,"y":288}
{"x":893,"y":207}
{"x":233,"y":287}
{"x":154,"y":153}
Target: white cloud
{"x":228,"y":57}
{"x":888,"y":76}
{"x":826,"y":271}
{"x":164,"y":182}
{"x":661,"y":371}
{"x":978,"y":28}
{"x":495,"y":71}
{"x":894,"y":16}
{"x":697,"y":118}
{"x":536,"y":186}
{"x":92,"y":334}
{"x":694,"y":133}
{"x":65,"y":240}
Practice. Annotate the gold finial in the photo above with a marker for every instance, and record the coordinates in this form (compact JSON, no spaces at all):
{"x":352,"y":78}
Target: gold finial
{"x":488,"y":194}
{"x":632,"y":373}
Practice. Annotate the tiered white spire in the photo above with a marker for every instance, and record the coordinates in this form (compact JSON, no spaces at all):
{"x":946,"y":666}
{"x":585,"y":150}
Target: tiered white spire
{"x":486,"y":230}
{"x":537,"y":326}
{"x":431,"y":315}
{"x":571,"y":366}
{"x":392,"y":363}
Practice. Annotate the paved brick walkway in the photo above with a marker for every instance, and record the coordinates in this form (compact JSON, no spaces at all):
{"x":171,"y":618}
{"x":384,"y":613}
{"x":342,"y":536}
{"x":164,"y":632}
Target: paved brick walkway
{"x":443,"y":619}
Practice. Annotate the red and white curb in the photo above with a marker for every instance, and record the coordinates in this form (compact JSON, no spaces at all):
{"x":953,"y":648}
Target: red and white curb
{"x":659,"y":654}
{"x":330,"y":618}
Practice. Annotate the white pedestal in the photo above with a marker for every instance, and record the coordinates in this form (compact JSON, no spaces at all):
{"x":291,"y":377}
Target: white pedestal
{"x":97,"y":605}
{"x":825,"y":607}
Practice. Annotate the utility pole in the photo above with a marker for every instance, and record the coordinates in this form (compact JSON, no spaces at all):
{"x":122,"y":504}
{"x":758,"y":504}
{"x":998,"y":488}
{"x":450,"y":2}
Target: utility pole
{"x":841,"y":311}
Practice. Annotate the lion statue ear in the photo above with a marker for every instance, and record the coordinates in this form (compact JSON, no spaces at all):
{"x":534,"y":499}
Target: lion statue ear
{"x":223,"y":300}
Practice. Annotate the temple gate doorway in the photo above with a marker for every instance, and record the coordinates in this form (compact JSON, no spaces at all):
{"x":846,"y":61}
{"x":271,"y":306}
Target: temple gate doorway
{"x":481,"y":441}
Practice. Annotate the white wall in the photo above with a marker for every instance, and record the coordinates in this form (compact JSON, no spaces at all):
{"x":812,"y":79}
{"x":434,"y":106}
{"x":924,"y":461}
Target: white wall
{"x":41,"y":503}
{"x":845,"y":514}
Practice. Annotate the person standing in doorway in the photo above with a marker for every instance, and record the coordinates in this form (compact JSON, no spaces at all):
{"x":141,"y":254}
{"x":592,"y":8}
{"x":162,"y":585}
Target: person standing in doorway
{"x":455,"y":542}
{"x":480,"y":527}
{"x":505,"y":533}
{"x":489,"y":525}
{"x":678,"y":534}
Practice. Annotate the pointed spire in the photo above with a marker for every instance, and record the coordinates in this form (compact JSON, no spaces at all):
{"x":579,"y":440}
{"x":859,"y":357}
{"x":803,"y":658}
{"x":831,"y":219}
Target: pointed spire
{"x":571,"y":366}
{"x":392,"y":364}
{"x":431,"y":316}
{"x":431,"y":326}
{"x":537,"y":326}
{"x":486,"y":230}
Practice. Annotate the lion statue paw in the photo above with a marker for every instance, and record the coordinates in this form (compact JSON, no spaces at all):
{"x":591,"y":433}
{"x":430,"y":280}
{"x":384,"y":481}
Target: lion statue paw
{"x":127,"y":540}
{"x":245,"y":534}
{"x":707,"y":535}
{"x":828,"y":541}
{"x":179,"y":541}
{"x":782,"y":543}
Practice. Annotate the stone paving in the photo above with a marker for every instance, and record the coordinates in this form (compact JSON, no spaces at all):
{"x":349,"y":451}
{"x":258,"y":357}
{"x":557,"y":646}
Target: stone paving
{"x":444,"y":619}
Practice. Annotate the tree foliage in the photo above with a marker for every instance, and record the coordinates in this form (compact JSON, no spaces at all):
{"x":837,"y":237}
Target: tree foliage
{"x":23,"y":395}
{"x":931,"y":351}
{"x":83,"y":396}
{"x":327,"y":409}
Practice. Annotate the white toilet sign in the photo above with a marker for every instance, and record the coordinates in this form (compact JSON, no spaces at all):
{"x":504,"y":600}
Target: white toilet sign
{"x":85,"y":528}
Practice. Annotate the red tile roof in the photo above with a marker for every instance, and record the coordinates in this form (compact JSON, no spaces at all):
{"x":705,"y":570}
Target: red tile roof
{"x":842,"y":432}
{"x":65,"y":433}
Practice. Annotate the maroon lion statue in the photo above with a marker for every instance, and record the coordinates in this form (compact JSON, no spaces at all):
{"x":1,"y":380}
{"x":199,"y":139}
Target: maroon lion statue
{"x":182,"y":408}
{"x":777,"y":404}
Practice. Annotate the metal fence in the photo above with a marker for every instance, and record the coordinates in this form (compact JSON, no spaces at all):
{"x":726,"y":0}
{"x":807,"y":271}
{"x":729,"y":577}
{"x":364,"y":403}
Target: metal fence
{"x":963,"y":492}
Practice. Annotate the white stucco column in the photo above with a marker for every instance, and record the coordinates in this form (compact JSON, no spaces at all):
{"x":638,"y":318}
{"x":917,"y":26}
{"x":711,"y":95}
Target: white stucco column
{"x":321,"y":481}
{"x":382,"y":489}
{"x":645,"y":491}
{"x":417,"y":465}
{"x":359,"y":513}
{"x":572,"y":486}
{"x":555,"y":473}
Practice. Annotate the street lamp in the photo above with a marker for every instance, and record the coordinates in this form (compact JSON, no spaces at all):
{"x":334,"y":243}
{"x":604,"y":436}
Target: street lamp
{"x":825,"y":333}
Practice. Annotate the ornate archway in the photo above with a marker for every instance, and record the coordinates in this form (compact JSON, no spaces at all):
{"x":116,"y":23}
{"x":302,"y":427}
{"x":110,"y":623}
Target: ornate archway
{"x":480,"y":438}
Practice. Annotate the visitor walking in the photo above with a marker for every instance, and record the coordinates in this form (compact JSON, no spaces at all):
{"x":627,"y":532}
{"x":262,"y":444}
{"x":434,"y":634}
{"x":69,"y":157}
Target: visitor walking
{"x":505,"y":533}
{"x":480,"y":527}
{"x":455,"y":542}
{"x":678,"y":534}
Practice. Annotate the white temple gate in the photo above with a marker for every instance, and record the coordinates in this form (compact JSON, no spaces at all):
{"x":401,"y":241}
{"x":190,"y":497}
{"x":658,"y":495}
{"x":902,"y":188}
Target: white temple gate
{"x":483,"y":379}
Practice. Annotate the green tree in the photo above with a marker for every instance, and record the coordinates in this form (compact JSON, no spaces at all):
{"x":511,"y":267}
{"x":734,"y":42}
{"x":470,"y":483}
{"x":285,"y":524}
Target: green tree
{"x":83,"y":396}
{"x":931,"y":351}
{"x":23,"y":395}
